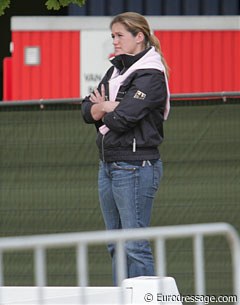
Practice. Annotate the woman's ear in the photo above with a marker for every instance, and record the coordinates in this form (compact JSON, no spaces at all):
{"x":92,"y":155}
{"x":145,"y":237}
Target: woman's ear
{"x":140,"y":37}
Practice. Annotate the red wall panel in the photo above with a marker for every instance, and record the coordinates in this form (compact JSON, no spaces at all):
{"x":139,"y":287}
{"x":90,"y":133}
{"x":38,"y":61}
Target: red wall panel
{"x":7,"y":78}
{"x":199,"y":60}
{"x":46,"y":77}
{"x":202,"y":61}
{"x":57,"y":76}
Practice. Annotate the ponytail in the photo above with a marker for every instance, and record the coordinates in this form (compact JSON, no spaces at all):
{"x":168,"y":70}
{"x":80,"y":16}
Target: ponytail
{"x":153,"y":41}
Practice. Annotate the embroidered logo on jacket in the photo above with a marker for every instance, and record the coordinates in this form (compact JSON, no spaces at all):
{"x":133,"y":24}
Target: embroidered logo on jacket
{"x":140,"y":95}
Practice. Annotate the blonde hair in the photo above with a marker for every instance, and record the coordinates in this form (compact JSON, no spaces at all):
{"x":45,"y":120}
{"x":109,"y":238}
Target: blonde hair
{"x":135,"y":23}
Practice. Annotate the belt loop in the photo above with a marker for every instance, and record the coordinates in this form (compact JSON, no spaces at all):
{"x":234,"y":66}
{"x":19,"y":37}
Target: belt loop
{"x":149,"y":163}
{"x":143,"y":163}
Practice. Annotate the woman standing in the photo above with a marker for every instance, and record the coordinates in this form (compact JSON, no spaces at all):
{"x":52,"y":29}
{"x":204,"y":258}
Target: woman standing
{"x":128,"y":109}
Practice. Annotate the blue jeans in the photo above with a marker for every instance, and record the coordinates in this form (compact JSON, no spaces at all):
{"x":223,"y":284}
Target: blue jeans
{"x":126,"y":193}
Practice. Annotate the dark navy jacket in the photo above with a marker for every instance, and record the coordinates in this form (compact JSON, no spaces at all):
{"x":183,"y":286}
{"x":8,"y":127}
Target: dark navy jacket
{"x":136,"y":124}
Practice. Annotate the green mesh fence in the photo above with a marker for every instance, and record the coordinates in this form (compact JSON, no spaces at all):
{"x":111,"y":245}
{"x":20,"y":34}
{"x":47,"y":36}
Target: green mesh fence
{"x":48,"y":183}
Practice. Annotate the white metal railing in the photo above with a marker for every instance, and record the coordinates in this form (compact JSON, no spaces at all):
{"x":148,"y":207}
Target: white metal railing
{"x":39,"y":244}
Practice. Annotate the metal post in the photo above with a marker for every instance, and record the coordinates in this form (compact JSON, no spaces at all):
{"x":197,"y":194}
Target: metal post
{"x":82,"y":271}
{"x":120,"y":262}
{"x":235,"y":251}
{"x":161,"y":257}
{"x":121,"y":267}
{"x":40,"y":273}
{"x":1,"y":275}
{"x":199,"y":266}
{"x":1,"y":270}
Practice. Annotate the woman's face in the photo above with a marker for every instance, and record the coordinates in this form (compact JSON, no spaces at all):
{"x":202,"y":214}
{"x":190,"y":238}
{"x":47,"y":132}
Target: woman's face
{"x":124,"y":42}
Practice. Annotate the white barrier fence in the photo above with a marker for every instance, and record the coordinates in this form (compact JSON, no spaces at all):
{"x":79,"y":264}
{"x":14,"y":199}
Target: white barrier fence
{"x":39,"y":244}
{"x":138,"y":290}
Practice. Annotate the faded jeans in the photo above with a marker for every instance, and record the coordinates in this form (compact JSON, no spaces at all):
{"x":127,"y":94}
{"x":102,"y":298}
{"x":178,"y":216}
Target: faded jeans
{"x":126,"y":193}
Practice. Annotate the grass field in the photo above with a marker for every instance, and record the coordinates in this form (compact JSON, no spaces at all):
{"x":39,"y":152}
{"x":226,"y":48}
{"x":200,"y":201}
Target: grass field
{"x":48,"y":183}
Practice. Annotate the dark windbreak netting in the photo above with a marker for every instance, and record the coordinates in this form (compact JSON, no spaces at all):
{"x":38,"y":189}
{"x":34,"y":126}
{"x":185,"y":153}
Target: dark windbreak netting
{"x":48,"y":183}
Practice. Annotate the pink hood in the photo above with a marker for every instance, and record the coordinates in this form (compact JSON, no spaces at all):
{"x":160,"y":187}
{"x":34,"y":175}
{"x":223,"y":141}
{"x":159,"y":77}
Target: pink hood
{"x":151,"y":60}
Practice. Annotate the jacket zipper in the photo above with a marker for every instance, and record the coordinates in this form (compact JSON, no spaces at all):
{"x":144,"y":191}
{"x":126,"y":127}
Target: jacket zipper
{"x":134,"y":144}
{"x":103,"y":148}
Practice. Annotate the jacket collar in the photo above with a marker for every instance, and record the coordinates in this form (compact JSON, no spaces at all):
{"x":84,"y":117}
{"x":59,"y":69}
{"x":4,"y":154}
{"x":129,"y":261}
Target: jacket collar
{"x":123,"y":61}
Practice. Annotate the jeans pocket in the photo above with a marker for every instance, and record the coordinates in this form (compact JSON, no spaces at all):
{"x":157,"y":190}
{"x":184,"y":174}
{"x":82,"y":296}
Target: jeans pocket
{"x":124,"y":166}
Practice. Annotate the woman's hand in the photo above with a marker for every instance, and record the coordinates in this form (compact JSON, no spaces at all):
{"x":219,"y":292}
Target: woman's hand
{"x":109,"y":106}
{"x":98,"y":97}
{"x":101,"y":106}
